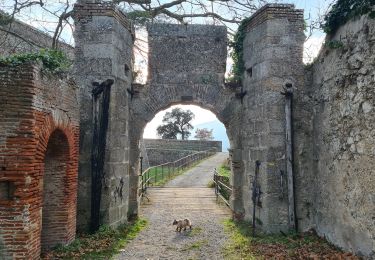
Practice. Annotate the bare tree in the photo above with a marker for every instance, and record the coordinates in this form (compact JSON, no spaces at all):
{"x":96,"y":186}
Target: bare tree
{"x":55,"y":16}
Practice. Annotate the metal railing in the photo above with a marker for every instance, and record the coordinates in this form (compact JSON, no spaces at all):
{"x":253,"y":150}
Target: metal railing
{"x":222,"y":190}
{"x":154,"y":175}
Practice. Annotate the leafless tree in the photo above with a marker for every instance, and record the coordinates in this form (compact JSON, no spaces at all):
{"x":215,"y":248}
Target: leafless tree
{"x":55,"y":16}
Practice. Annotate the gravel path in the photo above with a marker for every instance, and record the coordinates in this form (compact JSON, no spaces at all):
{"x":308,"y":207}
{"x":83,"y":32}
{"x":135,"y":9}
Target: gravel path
{"x":184,"y":197}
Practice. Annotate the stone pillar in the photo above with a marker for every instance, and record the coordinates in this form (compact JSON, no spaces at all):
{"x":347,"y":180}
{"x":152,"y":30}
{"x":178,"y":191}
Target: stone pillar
{"x":236,"y":199}
{"x":273,"y":49}
{"x":104,"y":42}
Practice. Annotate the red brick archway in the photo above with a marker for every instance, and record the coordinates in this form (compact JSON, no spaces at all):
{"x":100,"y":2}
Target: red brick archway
{"x":58,"y":159}
{"x":42,"y":144}
{"x":54,"y":210}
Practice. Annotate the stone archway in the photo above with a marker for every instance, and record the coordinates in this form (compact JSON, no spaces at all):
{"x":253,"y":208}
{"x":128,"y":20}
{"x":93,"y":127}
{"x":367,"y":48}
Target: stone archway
{"x":186,"y":65}
{"x":197,"y":79}
{"x":136,"y":136}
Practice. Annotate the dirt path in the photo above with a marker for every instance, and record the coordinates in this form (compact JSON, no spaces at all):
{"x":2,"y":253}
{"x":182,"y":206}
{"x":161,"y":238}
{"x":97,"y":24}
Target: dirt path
{"x":185,"y":196}
{"x":200,"y":175}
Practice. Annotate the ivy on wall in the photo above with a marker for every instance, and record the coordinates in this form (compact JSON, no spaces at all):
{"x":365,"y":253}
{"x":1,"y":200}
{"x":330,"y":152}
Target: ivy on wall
{"x":53,"y":60}
{"x":344,"y":10}
{"x":5,"y":19}
{"x":236,"y":44}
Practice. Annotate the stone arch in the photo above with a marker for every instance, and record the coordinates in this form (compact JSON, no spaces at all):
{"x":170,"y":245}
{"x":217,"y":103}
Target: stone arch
{"x":140,"y":118}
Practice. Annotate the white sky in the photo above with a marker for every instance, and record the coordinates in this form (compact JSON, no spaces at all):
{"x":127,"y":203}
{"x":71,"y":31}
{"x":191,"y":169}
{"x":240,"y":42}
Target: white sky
{"x":201,"y":116}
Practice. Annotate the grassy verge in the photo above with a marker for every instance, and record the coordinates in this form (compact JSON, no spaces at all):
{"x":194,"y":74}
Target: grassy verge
{"x":102,"y":245}
{"x":224,"y":170}
{"x":242,"y":245}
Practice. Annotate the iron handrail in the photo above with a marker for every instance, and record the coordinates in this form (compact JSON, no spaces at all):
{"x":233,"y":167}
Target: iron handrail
{"x":219,"y":185}
{"x":175,"y":165}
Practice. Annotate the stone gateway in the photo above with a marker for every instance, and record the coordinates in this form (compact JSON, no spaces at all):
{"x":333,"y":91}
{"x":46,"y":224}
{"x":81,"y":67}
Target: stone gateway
{"x":331,"y":166}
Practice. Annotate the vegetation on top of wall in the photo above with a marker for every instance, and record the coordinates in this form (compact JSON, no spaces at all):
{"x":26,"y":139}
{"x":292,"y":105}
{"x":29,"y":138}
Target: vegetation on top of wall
{"x":344,"y":10}
{"x":139,"y":17}
{"x":334,"y":44}
{"x":54,"y":61}
{"x":236,"y":44}
{"x":5,"y":18}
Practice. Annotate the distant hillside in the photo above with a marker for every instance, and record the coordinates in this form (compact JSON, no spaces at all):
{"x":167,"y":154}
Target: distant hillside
{"x":219,"y":132}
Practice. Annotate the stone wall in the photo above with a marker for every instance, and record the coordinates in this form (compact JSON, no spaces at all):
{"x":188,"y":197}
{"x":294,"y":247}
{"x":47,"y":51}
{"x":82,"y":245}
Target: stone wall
{"x":104,"y":51}
{"x":18,"y":37}
{"x":157,"y":156}
{"x":39,"y":120}
{"x":337,"y":159}
{"x":273,"y":49}
{"x":192,"y":145}
{"x":168,"y":150}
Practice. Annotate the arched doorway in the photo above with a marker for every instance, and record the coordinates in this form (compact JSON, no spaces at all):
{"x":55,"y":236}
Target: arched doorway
{"x":54,"y":206}
{"x":139,"y":123}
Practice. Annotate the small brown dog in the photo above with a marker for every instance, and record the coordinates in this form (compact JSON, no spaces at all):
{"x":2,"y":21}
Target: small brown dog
{"x":182,"y":223}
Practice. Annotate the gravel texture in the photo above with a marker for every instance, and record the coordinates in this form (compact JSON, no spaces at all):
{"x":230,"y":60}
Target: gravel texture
{"x":187,"y":196}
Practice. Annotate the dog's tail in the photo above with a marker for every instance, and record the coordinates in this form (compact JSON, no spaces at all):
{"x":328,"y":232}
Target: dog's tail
{"x":188,"y":222}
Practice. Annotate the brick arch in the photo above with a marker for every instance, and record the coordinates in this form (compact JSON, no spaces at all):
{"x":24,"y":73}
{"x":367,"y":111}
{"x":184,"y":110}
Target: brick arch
{"x":23,"y":169}
{"x":57,"y":138}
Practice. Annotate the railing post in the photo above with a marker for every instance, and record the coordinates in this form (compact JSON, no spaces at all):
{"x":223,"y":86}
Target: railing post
{"x":162,"y":172}
{"x":155,"y":175}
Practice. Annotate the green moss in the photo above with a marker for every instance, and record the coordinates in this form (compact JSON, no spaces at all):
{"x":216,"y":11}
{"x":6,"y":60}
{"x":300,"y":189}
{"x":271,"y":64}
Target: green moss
{"x":54,"y":61}
{"x":334,"y":44}
{"x":344,"y":10}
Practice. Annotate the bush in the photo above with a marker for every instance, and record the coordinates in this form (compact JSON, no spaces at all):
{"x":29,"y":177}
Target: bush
{"x":344,"y":10}
{"x":54,"y":61}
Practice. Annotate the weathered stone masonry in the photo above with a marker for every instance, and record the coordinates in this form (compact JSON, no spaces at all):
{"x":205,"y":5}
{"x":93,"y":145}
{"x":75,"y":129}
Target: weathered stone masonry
{"x":273,"y":49}
{"x":104,"y":50}
{"x":38,"y":161}
{"x":335,"y":141}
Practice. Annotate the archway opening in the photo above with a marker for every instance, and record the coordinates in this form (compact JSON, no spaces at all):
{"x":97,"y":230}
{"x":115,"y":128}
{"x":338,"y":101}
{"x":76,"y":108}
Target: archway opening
{"x":169,"y":154}
{"x":202,"y":119}
{"x":54,"y":208}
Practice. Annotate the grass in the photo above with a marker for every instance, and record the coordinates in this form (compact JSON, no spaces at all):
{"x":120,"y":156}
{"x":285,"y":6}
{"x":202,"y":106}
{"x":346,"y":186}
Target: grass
{"x":238,"y":246}
{"x":101,"y":245}
{"x":195,"y":245}
{"x":308,"y":245}
{"x":195,"y":231}
{"x":224,"y":170}
{"x":211,"y":184}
